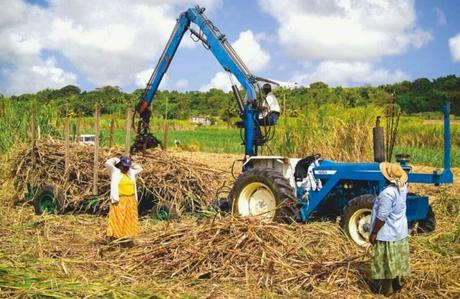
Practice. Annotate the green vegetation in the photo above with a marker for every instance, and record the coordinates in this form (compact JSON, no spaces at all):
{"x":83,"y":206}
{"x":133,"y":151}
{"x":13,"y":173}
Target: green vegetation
{"x":418,"y":96}
{"x":336,"y":122}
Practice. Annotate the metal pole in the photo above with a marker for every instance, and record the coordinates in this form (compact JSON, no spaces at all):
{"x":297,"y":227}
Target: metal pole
{"x":446,"y":110}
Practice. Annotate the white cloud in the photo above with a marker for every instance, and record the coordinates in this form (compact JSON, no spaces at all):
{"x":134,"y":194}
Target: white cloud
{"x":251,"y":52}
{"x":182,"y":83}
{"x":107,"y":44}
{"x":454,"y":46}
{"x":346,"y":29}
{"x":37,"y":76}
{"x":143,"y":77}
{"x":348,"y":73}
{"x":441,"y":19}
{"x":219,"y":81}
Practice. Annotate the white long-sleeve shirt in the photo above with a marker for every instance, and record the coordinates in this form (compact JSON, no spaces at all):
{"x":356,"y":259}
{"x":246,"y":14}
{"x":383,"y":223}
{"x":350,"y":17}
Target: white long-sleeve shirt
{"x":272,"y":103}
{"x":390,"y":207}
{"x":115,"y":177}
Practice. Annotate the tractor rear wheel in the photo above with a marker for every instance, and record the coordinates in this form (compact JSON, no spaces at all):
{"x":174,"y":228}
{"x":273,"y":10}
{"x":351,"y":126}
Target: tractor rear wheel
{"x":46,"y":200}
{"x":265,"y":193}
{"x":356,"y":218}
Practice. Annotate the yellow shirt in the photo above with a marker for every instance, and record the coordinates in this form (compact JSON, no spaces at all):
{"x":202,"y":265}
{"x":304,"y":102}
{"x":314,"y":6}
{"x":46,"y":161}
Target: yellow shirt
{"x":126,"y":186}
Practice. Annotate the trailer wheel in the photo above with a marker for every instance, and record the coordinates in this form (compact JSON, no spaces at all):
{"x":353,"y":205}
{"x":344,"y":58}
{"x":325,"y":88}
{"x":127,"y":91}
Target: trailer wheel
{"x":46,"y":200}
{"x":427,"y":225}
{"x":356,"y":218}
{"x":165,"y":211}
{"x":265,"y":193}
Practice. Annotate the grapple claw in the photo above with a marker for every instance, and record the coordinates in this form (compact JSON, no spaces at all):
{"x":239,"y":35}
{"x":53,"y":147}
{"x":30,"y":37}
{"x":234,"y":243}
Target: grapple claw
{"x":143,"y":142}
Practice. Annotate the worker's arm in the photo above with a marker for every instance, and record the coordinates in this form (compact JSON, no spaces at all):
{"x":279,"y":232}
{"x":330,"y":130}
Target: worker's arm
{"x":385,"y":203}
{"x":110,"y":164}
{"x":377,"y":226}
{"x":135,"y":168}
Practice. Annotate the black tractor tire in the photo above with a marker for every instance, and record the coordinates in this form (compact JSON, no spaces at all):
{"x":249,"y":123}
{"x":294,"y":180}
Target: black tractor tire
{"x":165,"y":210}
{"x":427,"y":225}
{"x":46,"y":200}
{"x":221,"y":205}
{"x":358,"y":207}
{"x":286,"y":207}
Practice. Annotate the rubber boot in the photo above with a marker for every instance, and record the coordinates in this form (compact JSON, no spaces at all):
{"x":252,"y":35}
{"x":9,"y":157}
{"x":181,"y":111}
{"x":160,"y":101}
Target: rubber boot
{"x":385,"y":287}
{"x":396,"y":284}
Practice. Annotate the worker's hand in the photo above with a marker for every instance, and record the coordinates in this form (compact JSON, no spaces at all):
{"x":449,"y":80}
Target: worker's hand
{"x":372,"y":238}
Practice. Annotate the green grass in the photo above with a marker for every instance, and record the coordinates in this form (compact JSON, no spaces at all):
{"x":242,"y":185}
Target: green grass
{"x":428,"y":156}
{"x":18,"y":279}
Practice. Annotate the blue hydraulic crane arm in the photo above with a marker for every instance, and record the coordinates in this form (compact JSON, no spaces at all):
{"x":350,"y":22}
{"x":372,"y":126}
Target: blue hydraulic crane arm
{"x":218,"y":45}
{"x":227,"y":57}
{"x":163,"y":63}
{"x":223,"y":51}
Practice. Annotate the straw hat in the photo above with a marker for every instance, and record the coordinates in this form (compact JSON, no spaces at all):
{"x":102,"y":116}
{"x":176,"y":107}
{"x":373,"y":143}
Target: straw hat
{"x":394,"y":173}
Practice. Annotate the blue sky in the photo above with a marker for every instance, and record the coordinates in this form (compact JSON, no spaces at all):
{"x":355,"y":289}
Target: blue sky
{"x":49,"y":44}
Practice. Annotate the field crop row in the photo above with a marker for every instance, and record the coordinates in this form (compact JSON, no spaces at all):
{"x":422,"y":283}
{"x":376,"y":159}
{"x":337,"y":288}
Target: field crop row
{"x":336,"y":132}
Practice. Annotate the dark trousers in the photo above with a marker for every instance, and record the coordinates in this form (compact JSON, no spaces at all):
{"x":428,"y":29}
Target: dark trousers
{"x":270,"y":119}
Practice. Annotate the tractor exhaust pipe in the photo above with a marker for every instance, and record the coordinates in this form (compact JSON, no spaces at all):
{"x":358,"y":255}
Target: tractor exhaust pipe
{"x":379,"y":148}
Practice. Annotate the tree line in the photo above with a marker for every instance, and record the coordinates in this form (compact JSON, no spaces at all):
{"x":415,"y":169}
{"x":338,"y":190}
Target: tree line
{"x":420,"y":95}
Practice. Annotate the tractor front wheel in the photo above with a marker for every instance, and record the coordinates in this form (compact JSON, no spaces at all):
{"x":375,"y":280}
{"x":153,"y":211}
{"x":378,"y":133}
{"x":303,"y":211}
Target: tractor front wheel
{"x":265,"y":193}
{"x":356,"y":218}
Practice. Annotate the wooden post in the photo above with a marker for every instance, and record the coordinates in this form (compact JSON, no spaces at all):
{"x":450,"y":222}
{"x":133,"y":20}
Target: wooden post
{"x":67,"y":141}
{"x":33,"y":127}
{"x":285,"y":150}
{"x":77,"y":129}
{"x":96,"y":149}
{"x":111,"y":131}
{"x":128,"y":131}
{"x":165,"y":135}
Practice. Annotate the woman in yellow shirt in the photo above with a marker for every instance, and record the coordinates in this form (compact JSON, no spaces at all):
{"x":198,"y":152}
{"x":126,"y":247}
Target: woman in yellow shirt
{"x":123,"y":216}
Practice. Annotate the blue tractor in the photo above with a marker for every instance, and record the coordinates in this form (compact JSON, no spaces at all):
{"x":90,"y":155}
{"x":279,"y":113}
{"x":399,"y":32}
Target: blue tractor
{"x":280,"y":188}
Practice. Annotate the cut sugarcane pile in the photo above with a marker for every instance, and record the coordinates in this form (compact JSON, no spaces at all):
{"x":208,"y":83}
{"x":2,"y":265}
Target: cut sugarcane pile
{"x":187,"y":184}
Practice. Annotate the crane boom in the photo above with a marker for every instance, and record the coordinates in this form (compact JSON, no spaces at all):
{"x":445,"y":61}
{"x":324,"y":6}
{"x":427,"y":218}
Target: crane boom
{"x":219,"y":46}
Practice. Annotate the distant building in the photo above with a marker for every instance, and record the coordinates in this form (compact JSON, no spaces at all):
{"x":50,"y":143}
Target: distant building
{"x":202,"y":120}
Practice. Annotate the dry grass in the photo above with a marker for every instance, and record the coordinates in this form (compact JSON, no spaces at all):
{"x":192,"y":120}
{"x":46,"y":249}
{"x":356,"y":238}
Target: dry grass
{"x":338,"y":133}
{"x":65,"y":256}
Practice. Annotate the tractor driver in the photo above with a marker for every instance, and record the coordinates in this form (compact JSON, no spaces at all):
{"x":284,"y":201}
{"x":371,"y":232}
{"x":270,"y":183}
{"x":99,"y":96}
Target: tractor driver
{"x":270,"y":107}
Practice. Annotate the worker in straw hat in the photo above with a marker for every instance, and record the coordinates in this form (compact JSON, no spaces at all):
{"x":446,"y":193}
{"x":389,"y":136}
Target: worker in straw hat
{"x":390,"y":260}
{"x":123,"y":215}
